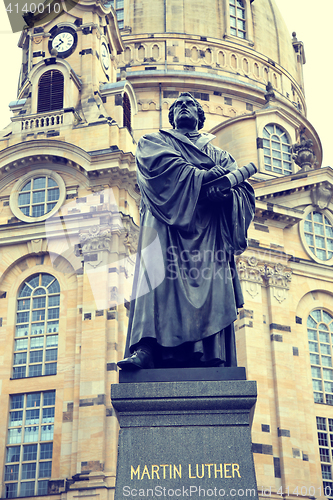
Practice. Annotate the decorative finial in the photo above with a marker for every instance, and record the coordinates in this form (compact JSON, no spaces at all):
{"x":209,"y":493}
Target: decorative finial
{"x":54,"y":52}
{"x":304,"y":155}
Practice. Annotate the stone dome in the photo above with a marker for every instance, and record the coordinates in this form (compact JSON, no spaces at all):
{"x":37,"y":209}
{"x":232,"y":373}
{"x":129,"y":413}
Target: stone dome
{"x":272,"y":38}
{"x":235,"y":56}
{"x":266,"y":31}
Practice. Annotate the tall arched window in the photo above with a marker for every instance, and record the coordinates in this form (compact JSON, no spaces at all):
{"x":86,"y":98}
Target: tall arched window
{"x":320,"y":332}
{"x":237,"y":18}
{"x":277,"y":150}
{"x":37,"y":327}
{"x":50,"y":91}
{"x":127,"y":112}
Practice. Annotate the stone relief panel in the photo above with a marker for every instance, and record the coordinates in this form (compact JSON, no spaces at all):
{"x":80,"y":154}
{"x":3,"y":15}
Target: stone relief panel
{"x":255,"y":274}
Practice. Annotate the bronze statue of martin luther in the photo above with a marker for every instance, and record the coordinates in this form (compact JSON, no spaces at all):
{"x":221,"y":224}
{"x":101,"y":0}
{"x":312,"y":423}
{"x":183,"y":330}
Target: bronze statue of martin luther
{"x":200,"y":206}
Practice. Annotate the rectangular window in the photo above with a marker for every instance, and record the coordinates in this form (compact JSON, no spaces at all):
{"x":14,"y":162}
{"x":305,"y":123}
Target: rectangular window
{"x":322,"y":439}
{"x":118,"y":6}
{"x":237,"y":18}
{"x":29,"y":463}
{"x":326,"y":471}
{"x":321,"y":424}
{"x":324,"y":455}
{"x":326,"y":452}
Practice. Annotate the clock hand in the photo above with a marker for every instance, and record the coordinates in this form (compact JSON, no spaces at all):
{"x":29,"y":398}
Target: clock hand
{"x":61,"y":41}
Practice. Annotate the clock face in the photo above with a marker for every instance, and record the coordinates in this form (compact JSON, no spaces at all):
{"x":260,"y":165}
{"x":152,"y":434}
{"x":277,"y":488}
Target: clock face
{"x":64,"y":41}
{"x":105,"y":56}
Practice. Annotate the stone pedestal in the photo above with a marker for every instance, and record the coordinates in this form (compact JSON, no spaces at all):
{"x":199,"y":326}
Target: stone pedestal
{"x":188,"y":437}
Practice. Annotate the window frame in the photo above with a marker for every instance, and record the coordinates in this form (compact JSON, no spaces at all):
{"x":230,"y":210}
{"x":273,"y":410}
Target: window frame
{"x":328,"y":448}
{"x":248,"y":40}
{"x":53,"y":96}
{"x":317,"y":347}
{"x":35,"y":350}
{"x":113,"y":4}
{"x":234,"y":3}
{"x":27,"y":462}
{"x":14,"y":196}
{"x":328,"y":215}
{"x":284,"y":172}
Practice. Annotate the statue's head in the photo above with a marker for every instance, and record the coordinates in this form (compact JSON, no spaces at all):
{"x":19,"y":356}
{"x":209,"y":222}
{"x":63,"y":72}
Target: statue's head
{"x":199,"y":110}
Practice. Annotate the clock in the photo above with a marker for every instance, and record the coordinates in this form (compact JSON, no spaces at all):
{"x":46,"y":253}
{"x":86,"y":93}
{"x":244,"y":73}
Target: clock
{"x":105,"y":55}
{"x":64,"y":40}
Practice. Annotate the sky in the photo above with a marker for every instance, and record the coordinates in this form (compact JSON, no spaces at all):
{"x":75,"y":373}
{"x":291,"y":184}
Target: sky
{"x":312,"y":26}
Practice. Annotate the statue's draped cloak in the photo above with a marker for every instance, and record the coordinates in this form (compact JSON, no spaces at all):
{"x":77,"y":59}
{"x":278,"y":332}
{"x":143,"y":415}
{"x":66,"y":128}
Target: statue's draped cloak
{"x":186,"y":289}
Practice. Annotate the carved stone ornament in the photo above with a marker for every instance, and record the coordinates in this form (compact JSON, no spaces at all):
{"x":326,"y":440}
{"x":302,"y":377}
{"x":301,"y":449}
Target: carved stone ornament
{"x":252,"y":274}
{"x":278,"y":276}
{"x":131,"y":235}
{"x":95,"y":245}
{"x":304,"y":155}
{"x":257,"y":274}
{"x":37,"y":246}
{"x":321,"y":195}
{"x":96,"y":239}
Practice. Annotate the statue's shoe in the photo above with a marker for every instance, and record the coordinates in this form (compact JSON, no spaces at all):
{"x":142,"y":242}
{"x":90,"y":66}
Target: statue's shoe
{"x":138,"y":360}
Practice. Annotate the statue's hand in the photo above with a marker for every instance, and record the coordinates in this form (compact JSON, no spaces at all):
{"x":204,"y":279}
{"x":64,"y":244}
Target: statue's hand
{"x":216,"y":171}
{"x":215,"y":194}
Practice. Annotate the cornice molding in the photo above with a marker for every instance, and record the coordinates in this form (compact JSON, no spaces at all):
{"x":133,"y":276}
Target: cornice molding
{"x":289,"y":184}
{"x":281,"y":216}
{"x":109,"y":163}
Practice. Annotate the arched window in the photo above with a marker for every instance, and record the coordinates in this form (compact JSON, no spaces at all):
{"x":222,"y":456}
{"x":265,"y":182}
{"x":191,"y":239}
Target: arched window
{"x":320,"y":331}
{"x":37,"y":327}
{"x":318,"y":232}
{"x":237,"y":18}
{"x":277,"y":150}
{"x":127,"y":112}
{"x":50,"y":91}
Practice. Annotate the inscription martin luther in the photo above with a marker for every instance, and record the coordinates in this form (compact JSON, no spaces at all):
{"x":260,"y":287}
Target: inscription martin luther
{"x":190,"y":471}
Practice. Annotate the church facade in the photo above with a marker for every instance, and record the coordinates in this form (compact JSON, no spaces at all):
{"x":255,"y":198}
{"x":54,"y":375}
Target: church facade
{"x":93,"y":81}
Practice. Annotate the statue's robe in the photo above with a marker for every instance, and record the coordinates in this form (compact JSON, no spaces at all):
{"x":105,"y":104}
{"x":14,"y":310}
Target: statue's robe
{"x":186,"y":289}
